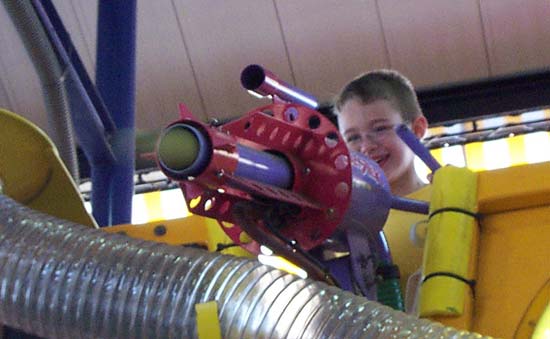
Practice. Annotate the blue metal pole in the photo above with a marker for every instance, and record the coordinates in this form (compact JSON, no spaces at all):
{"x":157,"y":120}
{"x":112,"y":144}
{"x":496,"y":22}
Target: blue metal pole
{"x":115,"y":81}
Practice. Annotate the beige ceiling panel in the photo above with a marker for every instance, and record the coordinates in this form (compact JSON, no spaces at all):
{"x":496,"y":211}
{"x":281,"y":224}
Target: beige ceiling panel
{"x":435,"y":42}
{"x":7,"y":97}
{"x":222,"y":38}
{"x":164,"y":74}
{"x":517,"y":33}
{"x":80,"y":20}
{"x":330,"y":42}
{"x":5,"y":101}
{"x":23,"y":92}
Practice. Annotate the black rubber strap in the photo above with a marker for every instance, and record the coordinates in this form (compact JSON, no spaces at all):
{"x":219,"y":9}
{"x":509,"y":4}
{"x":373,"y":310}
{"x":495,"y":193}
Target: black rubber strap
{"x":471,"y":283}
{"x":457,"y":210}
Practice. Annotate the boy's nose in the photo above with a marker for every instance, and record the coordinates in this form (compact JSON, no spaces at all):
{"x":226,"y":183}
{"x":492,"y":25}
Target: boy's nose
{"x":367,"y":145}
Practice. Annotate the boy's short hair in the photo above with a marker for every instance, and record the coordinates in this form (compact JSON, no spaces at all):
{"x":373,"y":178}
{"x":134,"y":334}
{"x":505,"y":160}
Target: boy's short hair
{"x":382,"y":84}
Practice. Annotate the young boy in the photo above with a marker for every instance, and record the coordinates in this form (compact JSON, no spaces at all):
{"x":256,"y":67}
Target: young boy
{"x":368,"y":108}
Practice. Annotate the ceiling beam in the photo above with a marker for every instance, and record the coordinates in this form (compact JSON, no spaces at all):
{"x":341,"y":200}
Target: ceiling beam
{"x":445,"y":105}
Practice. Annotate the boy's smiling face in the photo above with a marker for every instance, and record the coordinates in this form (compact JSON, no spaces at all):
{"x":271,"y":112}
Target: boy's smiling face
{"x":369,"y":129}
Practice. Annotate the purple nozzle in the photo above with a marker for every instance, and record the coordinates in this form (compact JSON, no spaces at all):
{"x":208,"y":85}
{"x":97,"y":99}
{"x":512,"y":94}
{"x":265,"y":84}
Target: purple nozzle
{"x":259,"y":80}
{"x":183,"y":151}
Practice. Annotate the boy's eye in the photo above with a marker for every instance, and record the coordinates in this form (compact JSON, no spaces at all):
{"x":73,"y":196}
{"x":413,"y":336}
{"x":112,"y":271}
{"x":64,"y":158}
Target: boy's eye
{"x":353,"y":138}
{"x":382,"y":128}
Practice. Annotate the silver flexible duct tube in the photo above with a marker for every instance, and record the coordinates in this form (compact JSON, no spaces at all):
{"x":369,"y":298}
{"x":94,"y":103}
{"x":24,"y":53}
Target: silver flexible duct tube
{"x":63,"y":280}
{"x":51,"y":76}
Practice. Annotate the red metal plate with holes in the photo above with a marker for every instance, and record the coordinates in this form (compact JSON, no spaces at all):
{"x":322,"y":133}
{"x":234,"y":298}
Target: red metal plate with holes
{"x":320,"y":160}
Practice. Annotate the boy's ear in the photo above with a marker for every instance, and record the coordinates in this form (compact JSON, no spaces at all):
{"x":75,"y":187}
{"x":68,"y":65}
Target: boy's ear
{"x":420,"y":126}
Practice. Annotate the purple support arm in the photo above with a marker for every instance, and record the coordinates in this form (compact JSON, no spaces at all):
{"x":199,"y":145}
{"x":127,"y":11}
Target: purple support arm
{"x":410,"y":205}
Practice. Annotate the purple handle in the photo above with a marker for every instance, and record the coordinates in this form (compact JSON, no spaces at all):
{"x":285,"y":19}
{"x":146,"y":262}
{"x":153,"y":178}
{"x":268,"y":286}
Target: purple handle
{"x":416,"y":146}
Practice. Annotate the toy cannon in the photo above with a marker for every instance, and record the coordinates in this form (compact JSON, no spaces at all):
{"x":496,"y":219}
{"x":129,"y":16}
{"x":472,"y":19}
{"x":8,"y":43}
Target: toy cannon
{"x":282,"y":175}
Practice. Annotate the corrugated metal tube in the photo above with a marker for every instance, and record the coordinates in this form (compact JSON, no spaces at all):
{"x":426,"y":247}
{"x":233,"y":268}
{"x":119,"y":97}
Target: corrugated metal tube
{"x":63,"y":280}
{"x":51,"y":76}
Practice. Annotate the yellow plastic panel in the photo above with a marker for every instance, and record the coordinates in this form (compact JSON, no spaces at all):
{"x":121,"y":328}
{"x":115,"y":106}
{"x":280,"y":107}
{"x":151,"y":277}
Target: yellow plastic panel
{"x":536,"y":321}
{"x":192,"y":230}
{"x":208,"y":324}
{"x":517,"y":150}
{"x":514,"y":188}
{"x":34,"y":175}
{"x":474,"y":156}
{"x":513,"y":265}
{"x":542,"y":331}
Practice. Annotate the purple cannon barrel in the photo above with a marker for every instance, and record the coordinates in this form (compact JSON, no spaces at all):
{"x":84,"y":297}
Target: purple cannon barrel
{"x":185,"y":150}
{"x":261,"y":81}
